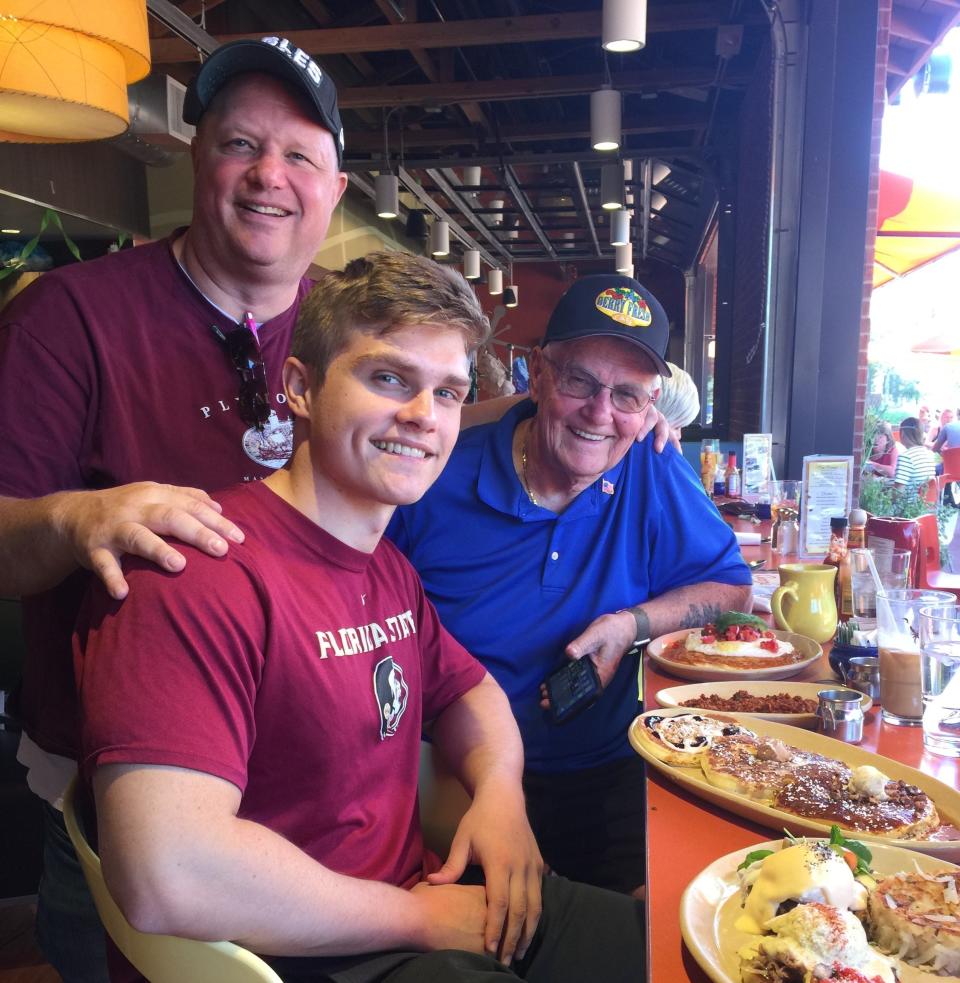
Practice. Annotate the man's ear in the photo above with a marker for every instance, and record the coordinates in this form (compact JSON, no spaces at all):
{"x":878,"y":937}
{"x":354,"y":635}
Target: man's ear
{"x":536,"y":367}
{"x":297,"y":384}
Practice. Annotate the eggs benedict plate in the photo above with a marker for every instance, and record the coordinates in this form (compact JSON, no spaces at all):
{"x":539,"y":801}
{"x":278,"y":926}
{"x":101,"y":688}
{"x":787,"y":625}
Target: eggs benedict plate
{"x":807,"y":905}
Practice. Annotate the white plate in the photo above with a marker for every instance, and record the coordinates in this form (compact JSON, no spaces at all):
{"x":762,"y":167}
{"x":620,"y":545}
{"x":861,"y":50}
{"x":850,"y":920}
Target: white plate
{"x":946,"y":799}
{"x":710,"y":905}
{"x":807,"y":646}
{"x":674,"y":696}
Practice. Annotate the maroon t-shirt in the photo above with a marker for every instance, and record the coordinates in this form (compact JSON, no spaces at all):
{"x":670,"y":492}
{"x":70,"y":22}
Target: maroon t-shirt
{"x":296,"y":668}
{"x":110,"y":373}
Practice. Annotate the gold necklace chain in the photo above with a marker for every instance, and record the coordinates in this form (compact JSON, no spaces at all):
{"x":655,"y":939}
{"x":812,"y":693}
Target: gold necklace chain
{"x":523,"y":468}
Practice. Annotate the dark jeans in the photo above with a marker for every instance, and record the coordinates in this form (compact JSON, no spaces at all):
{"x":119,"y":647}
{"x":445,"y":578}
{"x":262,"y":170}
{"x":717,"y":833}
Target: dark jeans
{"x":69,"y":931}
{"x":585,"y":934}
{"x":590,"y":824}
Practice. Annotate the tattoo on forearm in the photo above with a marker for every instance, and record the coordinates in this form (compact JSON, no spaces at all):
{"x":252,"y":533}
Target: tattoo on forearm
{"x":700,"y":614}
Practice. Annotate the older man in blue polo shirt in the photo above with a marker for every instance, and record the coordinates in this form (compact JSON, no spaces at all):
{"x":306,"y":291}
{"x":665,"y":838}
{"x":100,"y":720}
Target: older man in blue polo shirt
{"x":551,"y":535}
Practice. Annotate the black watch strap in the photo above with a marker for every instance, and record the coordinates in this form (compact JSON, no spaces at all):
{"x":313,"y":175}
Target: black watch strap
{"x":643,"y":625}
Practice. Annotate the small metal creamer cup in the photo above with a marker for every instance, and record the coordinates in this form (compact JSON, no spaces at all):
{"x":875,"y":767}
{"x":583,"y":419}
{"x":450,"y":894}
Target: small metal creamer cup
{"x":862,"y":673}
{"x":840,"y":715}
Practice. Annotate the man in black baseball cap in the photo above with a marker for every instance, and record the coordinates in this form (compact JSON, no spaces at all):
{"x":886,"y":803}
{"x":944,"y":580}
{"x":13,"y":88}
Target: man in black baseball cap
{"x":613,"y":306}
{"x":554,"y":536}
{"x":272,"y":56}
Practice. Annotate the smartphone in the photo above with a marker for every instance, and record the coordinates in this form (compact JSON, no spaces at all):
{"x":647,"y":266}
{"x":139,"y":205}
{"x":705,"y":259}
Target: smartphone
{"x":572,"y":688}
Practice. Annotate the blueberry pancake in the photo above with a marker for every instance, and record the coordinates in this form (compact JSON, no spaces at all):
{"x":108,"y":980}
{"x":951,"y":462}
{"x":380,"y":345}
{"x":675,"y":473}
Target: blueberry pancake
{"x":683,"y":738}
{"x":757,"y":766}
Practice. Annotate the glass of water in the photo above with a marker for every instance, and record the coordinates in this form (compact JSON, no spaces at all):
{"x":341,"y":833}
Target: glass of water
{"x":940,"y":678}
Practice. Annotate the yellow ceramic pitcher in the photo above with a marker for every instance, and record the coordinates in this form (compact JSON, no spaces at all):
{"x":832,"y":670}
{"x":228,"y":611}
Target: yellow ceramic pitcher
{"x":804,"y":602}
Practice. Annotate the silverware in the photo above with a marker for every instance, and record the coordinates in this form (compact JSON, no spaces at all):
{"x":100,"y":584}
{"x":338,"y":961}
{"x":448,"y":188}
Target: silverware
{"x":756,"y":564}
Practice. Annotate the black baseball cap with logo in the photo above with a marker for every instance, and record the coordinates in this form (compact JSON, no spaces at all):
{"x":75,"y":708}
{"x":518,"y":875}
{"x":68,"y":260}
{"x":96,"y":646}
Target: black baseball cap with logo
{"x":273,"y":56}
{"x":615,"y":306}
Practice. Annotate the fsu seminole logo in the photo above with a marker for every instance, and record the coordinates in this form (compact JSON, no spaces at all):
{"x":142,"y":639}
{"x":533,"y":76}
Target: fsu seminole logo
{"x":625,"y":306}
{"x":390,"y":690}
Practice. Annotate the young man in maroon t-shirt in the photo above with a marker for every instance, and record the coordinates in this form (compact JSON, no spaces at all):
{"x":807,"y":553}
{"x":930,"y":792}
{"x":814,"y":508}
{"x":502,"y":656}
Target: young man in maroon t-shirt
{"x":262,"y":786}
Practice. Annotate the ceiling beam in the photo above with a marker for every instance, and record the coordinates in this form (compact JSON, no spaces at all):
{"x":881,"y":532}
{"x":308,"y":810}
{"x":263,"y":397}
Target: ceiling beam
{"x":442,"y":179}
{"x":533,"y":87}
{"x":520,"y":200}
{"x":371,"y":142}
{"x":467,"y":33}
{"x":583,"y":206}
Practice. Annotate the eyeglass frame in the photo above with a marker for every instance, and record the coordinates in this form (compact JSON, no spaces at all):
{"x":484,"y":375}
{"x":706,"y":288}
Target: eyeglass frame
{"x":243,"y":349}
{"x":563,"y":382}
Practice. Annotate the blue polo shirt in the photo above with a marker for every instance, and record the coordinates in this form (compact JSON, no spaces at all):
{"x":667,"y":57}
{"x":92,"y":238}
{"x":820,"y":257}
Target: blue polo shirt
{"x":515,"y":583}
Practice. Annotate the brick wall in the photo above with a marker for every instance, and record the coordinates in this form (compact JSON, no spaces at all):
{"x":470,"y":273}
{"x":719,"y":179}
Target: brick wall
{"x":879,"y":101}
{"x":750,"y":250}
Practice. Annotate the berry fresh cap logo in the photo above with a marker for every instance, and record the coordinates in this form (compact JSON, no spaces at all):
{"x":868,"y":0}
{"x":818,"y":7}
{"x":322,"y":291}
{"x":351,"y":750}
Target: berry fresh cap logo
{"x":625,"y":306}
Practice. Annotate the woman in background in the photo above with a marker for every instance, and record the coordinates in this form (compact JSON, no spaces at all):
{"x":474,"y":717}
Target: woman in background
{"x":884,"y":453}
{"x":915,"y":463}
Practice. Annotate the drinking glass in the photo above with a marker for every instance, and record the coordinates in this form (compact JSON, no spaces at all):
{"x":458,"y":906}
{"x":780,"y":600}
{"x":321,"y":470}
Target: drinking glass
{"x":785,"y":493}
{"x":940,"y":678}
{"x":894,"y":571}
{"x":709,"y":462}
{"x":898,"y":641}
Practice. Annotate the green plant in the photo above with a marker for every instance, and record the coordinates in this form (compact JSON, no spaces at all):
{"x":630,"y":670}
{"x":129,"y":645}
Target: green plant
{"x":16,"y":264}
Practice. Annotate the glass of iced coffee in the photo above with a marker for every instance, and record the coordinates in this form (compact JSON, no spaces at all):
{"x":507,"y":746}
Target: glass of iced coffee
{"x":898,"y":641}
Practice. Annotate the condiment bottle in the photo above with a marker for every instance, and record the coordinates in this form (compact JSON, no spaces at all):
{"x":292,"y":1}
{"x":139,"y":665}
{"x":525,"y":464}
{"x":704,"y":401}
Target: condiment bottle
{"x":857,"y":533}
{"x":838,"y":557}
{"x":732,"y":476}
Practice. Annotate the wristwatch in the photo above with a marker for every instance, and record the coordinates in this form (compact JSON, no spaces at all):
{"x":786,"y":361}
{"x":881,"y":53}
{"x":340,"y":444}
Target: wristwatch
{"x":643,"y":625}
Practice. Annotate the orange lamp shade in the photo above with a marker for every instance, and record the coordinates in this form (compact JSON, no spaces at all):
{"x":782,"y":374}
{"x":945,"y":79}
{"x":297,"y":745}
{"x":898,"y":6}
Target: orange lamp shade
{"x":65,"y":67}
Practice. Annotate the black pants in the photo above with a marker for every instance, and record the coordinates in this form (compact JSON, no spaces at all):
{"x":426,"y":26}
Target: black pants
{"x":589,"y":824}
{"x":585,"y":935}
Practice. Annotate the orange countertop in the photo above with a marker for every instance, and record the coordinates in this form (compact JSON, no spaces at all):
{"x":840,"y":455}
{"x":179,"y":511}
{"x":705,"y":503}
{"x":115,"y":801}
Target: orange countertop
{"x":685,"y":834}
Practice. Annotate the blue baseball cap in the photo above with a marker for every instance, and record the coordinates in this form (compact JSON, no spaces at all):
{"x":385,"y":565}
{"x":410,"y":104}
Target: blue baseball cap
{"x":272,"y":56}
{"x":615,"y":306}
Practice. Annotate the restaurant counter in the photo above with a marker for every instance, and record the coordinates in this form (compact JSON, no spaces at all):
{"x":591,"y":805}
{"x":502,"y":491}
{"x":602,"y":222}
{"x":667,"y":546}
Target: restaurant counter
{"x":685,"y":834}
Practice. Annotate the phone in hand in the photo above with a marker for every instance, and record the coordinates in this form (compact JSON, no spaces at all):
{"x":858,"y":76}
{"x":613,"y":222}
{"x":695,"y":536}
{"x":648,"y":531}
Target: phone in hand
{"x":572,"y":688}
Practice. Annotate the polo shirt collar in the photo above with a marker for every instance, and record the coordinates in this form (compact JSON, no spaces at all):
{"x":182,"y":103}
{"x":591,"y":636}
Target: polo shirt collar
{"x":499,"y":487}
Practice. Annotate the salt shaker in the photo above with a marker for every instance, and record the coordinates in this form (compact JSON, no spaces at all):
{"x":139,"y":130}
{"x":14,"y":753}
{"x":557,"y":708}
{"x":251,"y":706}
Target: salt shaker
{"x":788,"y":540}
{"x":840,"y":715}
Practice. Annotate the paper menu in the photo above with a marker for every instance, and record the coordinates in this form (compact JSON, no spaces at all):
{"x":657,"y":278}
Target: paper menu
{"x":827,"y":493}
{"x":757,"y":451}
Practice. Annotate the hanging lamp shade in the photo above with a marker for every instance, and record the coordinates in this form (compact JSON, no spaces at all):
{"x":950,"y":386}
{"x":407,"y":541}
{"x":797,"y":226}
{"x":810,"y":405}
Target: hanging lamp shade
{"x":497,"y":219}
{"x":624,"y":25}
{"x":511,"y":295}
{"x":387,"y":191}
{"x":65,"y":67}
{"x":471,"y":264}
{"x":495,"y":283}
{"x":440,"y":239}
{"x":416,"y":225}
{"x":611,"y":187}
{"x":623,"y":260}
{"x":605,"y":119}
{"x":619,"y":227}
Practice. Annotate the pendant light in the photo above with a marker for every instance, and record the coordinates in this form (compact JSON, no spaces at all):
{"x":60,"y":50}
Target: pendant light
{"x":623,"y":259}
{"x":497,"y":205}
{"x":440,"y":239}
{"x":611,"y":186}
{"x":511,"y":295}
{"x":416,"y":225}
{"x":387,"y":188}
{"x":471,"y":264}
{"x":495,"y":282}
{"x":605,"y":119}
{"x":619,"y":227}
{"x":624,"y":25}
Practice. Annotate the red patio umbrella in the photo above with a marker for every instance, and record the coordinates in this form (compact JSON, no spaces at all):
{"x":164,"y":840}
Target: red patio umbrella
{"x":915,"y":226}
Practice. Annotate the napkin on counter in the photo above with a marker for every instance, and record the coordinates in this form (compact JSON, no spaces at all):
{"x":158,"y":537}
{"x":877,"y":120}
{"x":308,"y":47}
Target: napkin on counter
{"x":747,"y":538}
{"x":765,"y":582}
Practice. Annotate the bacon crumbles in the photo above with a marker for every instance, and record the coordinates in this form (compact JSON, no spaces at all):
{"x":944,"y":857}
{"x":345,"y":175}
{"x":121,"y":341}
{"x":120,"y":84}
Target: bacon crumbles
{"x":745,"y":702}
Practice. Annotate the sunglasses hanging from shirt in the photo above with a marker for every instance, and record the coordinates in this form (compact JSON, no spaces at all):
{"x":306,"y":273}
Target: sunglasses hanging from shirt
{"x":243,"y":348}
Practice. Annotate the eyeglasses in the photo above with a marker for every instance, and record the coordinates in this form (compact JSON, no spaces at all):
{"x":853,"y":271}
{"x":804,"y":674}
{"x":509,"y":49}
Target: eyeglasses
{"x":242,"y":347}
{"x":577,"y":382}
